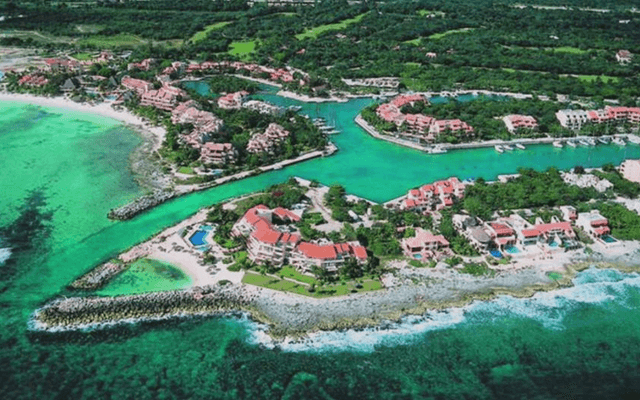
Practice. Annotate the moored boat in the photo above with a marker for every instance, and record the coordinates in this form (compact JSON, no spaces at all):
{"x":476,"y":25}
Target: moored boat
{"x":603,"y":140}
{"x":633,"y":139}
{"x":571,"y":143}
{"x":499,"y":148}
{"x":520,"y":146}
{"x":557,"y":144}
{"x":507,"y":147}
{"x":619,"y":141}
{"x":583,"y":142}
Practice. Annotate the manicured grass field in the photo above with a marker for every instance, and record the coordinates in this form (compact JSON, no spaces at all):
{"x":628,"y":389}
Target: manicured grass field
{"x":415,"y":41}
{"x":592,"y":78}
{"x":568,"y":49}
{"x":336,"y":289}
{"x":436,"y":36}
{"x":290,"y":272}
{"x":120,"y":40}
{"x":82,"y":56}
{"x":242,"y":49}
{"x":186,"y":170}
{"x":314,"y":32}
{"x":209,"y":28}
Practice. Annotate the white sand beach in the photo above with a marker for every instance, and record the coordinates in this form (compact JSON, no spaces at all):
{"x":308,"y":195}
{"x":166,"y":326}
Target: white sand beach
{"x":102,"y":109}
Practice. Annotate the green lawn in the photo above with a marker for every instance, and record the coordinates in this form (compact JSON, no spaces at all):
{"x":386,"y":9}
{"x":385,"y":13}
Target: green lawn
{"x":242,"y":49}
{"x":415,"y":41}
{"x":82,"y":56}
{"x":186,"y":170}
{"x":436,"y":36}
{"x":337,"y":289}
{"x":209,"y":28}
{"x":592,"y":78}
{"x":290,"y":272}
{"x":119,"y":40}
{"x":314,"y":32}
{"x":568,"y":49}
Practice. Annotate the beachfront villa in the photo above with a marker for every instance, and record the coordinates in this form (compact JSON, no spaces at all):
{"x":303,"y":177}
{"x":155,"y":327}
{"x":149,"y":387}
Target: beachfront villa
{"x":166,"y":98}
{"x":33,"y":80}
{"x":265,"y":142}
{"x":630,"y":170}
{"x":270,"y":238}
{"x":424,"y":245}
{"x":137,"y":85}
{"x":593,"y":224}
{"x":514,"y":122}
{"x":433,"y":197}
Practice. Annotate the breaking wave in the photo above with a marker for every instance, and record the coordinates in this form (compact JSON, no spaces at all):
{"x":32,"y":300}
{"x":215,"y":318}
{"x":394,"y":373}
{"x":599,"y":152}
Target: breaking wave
{"x":592,"y":286}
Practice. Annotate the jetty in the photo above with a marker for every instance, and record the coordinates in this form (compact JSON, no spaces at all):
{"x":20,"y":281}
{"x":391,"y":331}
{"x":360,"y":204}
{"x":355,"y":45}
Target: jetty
{"x":141,"y":204}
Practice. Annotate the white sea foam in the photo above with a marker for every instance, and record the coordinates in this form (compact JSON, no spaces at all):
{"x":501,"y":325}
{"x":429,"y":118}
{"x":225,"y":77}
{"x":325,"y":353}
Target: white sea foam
{"x":592,"y":286}
{"x":5,"y":254}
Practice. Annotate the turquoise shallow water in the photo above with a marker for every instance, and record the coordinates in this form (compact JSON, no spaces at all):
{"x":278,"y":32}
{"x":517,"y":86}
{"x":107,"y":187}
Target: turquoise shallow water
{"x":63,"y":171}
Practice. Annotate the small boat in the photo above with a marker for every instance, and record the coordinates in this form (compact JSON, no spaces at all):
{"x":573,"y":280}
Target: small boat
{"x":332,"y":132}
{"x":583,"y":142}
{"x":619,"y":141}
{"x":437,"y":150}
{"x":499,"y":148}
{"x":571,"y":143}
{"x":633,"y":139}
{"x":590,"y":141}
{"x":507,"y":147}
{"x":603,"y":140}
{"x":295,"y":108}
{"x":557,"y":144}
{"x":520,"y":146}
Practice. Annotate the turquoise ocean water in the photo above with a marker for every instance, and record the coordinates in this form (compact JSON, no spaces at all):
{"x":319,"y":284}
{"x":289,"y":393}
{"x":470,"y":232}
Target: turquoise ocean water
{"x":63,"y":171}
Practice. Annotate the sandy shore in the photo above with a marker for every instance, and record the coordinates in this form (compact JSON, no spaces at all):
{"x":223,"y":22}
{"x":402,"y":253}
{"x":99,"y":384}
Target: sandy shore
{"x":102,"y":109}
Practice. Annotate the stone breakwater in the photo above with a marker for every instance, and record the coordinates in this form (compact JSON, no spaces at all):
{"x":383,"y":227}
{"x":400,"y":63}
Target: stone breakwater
{"x":99,"y":276}
{"x":141,"y":204}
{"x":83,"y":312}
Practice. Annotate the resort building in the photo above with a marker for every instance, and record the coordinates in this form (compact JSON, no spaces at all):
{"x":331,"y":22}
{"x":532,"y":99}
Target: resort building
{"x":166,"y":98}
{"x":593,"y":224}
{"x":514,"y":122}
{"x":262,"y":107}
{"x":61,"y":64}
{"x":218,"y":153}
{"x":624,"y":56}
{"x":33,"y":80}
{"x":205,"y":124}
{"x":572,"y":119}
{"x":545,"y":233}
{"x":425,"y":245}
{"x":329,"y":256}
{"x":143,"y":65}
{"x":418,"y":126}
{"x":271,"y":239}
{"x":501,"y":233}
{"x":630,"y":170}
{"x":569,"y":213}
{"x":232,"y":100}
{"x":265,"y":142}
{"x":137,"y":85}
{"x":434,"y":197}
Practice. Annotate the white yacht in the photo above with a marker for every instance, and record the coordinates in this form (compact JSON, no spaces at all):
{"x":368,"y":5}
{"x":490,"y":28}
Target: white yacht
{"x":571,"y":143}
{"x":507,"y":147}
{"x":499,"y":148}
{"x":520,"y":146}
{"x":583,"y":142}
{"x":603,"y":140}
{"x":590,"y":141}
{"x":619,"y":141}
{"x":557,"y":144}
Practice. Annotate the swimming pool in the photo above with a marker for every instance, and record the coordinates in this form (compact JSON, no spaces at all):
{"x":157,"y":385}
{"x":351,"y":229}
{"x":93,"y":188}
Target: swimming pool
{"x":512,"y":250}
{"x":554,"y":244}
{"x":608,"y":239}
{"x":496,"y":253}
{"x":197,"y":239}
{"x":417,"y":256}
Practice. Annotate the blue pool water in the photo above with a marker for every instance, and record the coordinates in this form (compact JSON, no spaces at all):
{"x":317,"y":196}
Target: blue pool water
{"x":554,"y":244}
{"x":609,"y":239}
{"x":417,"y":256}
{"x":496,"y":253}
{"x":512,"y":250}
{"x":197,"y":239}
